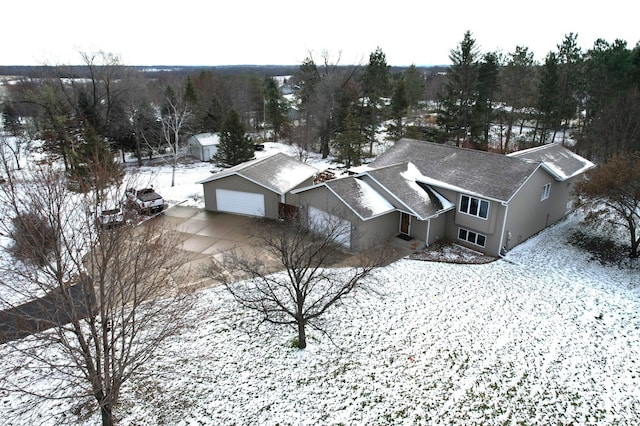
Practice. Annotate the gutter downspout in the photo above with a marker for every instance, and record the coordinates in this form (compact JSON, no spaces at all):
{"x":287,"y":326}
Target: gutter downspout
{"x":504,"y":225}
{"x":426,"y":243}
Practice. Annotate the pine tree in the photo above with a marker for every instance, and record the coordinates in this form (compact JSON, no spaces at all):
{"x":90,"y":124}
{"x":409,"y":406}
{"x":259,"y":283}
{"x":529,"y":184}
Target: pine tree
{"x":569,"y":66}
{"x":235,"y":146}
{"x":375,"y":86}
{"x":350,"y":143}
{"x":548,"y":98}
{"x":487,"y":87}
{"x":276,"y":107}
{"x":414,"y":86}
{"x":192,"y":99}
{"x":517,"y":90}
{"x":93,"y":164}
{"x":460,"y":92}
{"x":399,"y":109}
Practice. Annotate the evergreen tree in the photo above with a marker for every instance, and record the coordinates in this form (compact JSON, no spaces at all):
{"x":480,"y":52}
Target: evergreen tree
{"x":608,"y":73}
{"x":93,"y":164}
{"x":276,"y":107}
{"x":548,"y":98}
{"x":350,"y":143}
{"x":414,"y":86}
{"x":235,"y":146}
{"x":487,"y":87}
{"x":460,"y":91}
{"x":517,"y":91}
{"x":569,"y":67}
{"x":375,"y":86}
{"x":399,"y":109}
{"x":612,"y":123}
{"x":192,"y":99}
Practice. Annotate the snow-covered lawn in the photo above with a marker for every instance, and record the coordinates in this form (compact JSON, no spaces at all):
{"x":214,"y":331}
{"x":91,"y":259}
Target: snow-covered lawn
{"x":544,"y":337}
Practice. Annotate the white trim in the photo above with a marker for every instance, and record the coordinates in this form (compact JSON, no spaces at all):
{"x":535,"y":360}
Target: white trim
{"x":546,"y":191}
{"x":480,"y":200}
{"x":504,"y":227}
{"x":471,"y":242}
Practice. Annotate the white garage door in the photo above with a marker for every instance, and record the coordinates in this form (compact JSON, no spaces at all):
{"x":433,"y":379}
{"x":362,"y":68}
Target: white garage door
{"x":321,"y":221}
{"x":239,"y":202}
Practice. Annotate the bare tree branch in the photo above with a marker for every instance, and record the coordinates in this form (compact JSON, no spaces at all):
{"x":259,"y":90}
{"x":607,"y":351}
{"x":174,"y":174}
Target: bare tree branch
{"x":310,"y":281}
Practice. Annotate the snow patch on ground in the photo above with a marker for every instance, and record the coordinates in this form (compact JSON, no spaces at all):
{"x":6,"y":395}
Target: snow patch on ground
{"x":545,"y":336}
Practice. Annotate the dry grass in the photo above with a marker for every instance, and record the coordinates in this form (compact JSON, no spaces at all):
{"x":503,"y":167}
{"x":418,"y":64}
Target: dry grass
{"x":449,"y":252}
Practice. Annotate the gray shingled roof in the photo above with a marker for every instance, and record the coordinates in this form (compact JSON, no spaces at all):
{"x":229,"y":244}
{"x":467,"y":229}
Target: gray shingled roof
{"x":480,"y":173}
{"x":278,"y":172}
{"x":556,"y":159}
{"x":360,"y":197}
{"x":419,"y":198}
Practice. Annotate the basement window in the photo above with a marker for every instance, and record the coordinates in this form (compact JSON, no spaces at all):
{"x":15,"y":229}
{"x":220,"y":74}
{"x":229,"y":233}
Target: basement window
{"x":472,"y":237}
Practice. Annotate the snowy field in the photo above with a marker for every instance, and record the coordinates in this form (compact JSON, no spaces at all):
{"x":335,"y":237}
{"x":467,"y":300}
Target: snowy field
{"x":511,"y":342}
{"x":546,"y":336}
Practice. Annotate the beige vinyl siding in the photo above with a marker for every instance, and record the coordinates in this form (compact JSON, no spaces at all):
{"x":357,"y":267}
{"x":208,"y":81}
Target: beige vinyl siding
{"x":529,"y":214}
{"x":364,"y":234}
{"x":238,"y":183}
{"x":293,"y":199}
{"x":375,"y":231}
{"x":437,"y":228}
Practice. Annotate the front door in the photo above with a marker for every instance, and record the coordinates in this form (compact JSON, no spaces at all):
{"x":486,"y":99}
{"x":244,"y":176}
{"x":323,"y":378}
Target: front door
{"x":405,"y":219}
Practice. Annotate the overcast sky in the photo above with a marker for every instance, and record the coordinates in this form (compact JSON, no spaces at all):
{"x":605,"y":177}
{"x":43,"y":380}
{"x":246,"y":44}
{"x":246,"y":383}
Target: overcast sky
{"x":232,"y":32}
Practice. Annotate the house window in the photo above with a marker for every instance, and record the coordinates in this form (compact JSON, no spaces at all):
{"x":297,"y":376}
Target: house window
{"x":545,"y":192}
{"x":474,"y":206}
{"x":472,"y":237}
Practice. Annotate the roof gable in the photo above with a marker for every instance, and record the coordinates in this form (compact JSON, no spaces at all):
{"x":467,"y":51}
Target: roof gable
{"x":205,"y":139}
{"x":557,"y":160}
{"x":404,"y":183}
{"x":278,"y":172}
{"x":360,"y":197}
{"x":481,"y":173}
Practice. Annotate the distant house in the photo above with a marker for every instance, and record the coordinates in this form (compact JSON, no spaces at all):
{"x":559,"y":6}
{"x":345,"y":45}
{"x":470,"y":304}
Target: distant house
{"x":203,"y":146}
{"x":425,"y":192}
{"x":260,"y":187}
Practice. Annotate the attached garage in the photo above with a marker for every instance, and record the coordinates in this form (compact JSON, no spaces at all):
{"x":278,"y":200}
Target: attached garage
{"x":247,"y":203}
{"x":258,"y":187}
{"x":321,"y":221}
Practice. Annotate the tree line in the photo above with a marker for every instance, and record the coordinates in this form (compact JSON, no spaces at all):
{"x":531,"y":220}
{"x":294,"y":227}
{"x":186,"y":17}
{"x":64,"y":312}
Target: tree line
{"x":139,"y":294}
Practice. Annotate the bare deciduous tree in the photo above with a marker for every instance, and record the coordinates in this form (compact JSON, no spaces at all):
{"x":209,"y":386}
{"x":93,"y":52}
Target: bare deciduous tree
{"x":312,"y":281}
{"x":611,"y":194}
{"x":114,"y":294}
{"x":175,"y":114}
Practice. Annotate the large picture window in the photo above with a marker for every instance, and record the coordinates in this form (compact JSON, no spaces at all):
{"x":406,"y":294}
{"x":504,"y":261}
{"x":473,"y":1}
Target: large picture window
{"x":472,"y":237}
{"x":474,"y":206}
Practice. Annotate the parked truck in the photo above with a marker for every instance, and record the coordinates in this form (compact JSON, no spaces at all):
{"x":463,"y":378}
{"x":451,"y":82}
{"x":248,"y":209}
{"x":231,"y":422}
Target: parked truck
{"x":145,"y":201}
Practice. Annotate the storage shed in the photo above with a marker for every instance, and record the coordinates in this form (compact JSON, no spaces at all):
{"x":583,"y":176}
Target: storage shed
{"x":203,"y":146}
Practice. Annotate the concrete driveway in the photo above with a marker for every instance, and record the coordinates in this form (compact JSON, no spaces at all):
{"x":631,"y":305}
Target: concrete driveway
{"x":205,"y":235}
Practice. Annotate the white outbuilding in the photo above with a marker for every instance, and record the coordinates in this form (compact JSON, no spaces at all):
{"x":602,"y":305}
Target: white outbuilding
{"x":203,"y":146}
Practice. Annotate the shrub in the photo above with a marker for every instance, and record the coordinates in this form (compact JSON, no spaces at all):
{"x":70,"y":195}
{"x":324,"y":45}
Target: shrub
{"x":34,"y":237}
